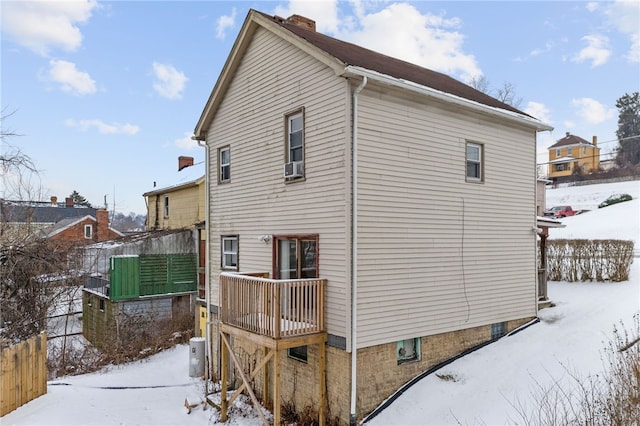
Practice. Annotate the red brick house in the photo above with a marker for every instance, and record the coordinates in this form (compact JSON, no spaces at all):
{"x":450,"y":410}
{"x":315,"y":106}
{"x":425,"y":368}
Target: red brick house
{"x":82,"y":230}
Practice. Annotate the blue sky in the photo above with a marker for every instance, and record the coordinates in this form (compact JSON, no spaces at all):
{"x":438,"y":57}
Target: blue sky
{"x":105,"y":95}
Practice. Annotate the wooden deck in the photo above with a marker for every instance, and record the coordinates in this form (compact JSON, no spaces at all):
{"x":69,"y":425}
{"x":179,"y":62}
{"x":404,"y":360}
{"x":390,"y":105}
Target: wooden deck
{"x":276,"y":314}
{"x":272,"y":308}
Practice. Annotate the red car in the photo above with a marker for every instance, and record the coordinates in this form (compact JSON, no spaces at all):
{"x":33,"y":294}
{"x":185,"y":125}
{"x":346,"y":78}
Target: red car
{"x":560,"y":211}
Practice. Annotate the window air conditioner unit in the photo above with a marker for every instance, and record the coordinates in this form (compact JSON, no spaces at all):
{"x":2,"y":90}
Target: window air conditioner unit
{"x":293,"y":169}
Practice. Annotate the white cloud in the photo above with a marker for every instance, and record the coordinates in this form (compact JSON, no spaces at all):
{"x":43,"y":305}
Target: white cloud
{"x":592,"y":6}
{"x":597,"y":50}
{"x":625,"y":17}
{"x":539,"y":111}
{"x":43,"y":25}
{"x":431,"y":41}
{"x":102,"y":127}
{"x":70,"y":78}
{"x":593,"y":111}
{"x":540,"y":50}
{"x":169,"y":81}
{"x":225,"y":22}
{"x":186,"y":142}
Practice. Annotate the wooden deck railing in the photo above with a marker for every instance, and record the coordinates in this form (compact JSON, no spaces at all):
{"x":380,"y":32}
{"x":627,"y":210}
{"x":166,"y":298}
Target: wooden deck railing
{"x":274,"y":308}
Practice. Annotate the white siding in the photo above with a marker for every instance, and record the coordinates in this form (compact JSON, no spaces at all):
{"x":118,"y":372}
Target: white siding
{"x":272,"y":80}
{"x":437,"y":253}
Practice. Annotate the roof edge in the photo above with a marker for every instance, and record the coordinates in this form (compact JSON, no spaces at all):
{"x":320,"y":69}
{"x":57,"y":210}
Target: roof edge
{"x":448,"y":97}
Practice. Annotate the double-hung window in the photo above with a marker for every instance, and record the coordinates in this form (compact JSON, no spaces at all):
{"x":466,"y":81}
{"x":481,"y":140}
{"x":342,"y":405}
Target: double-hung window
{"x":294,"y":153}
{"x":224,"y":164}
{"x":229,"y":252}
{"x":166,"y":206}
{"x":474,"y":162}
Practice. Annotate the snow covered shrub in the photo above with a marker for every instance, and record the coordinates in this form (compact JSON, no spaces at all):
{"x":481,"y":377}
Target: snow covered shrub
{"x":589,"y":260}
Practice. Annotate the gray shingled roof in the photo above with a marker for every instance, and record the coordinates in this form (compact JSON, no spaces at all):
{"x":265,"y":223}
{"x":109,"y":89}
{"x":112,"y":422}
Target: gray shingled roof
{"x":37,"y":213}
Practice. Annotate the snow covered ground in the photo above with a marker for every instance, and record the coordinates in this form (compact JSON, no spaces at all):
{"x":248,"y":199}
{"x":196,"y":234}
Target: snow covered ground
{"x":483,"y":387}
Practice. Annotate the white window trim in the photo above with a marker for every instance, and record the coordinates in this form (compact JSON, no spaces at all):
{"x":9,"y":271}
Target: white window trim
{"x":166,"y":206}
{"x":299,"y":114}
{"x":88,"y":231}
{"x":223,"y":253}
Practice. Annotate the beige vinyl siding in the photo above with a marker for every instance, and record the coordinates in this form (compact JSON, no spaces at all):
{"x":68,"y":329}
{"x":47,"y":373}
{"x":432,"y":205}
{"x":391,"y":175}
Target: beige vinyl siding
{"x":437,"y":253}
{"x":273,"y":79}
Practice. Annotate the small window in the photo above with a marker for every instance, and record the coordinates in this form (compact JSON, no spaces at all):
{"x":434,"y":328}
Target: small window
{"x":584,"y":149}
{"x":166,"y":206}
{"x":295,"y":142}
{"x":299,"y":353}
{"x":230,"y":252}
{"x":474,"y":162}
{"x":498,"y":330}
{"x":568,"y":151}
{"x":88,"y":231}
{"x":558,"y":152}
{"x":224,"y":158}
{"x":408,"y":350}
{"x":102,"y":304}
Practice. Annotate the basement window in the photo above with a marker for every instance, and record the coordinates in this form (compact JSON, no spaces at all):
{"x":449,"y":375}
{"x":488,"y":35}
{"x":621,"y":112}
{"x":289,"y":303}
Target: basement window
{"x":299,"y":353}
{"x":498,"y":330}
{"x":102,"y":304}
{"x":408,"y":350}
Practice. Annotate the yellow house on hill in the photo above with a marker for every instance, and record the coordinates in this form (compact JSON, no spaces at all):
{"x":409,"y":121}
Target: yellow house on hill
{"x":572,"y":152}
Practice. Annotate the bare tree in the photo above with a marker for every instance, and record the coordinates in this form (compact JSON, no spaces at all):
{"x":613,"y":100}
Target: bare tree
{"x":20,"y":177}
{"x":505,"y":94}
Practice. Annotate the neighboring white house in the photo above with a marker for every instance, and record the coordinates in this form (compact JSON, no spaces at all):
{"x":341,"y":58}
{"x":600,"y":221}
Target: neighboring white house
{"x":412,"y":194}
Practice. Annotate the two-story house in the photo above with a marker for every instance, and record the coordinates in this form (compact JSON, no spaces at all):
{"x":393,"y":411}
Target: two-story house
{"x":572,"y":153}
{"x":353,"y":240}
{"x":180,"y":204}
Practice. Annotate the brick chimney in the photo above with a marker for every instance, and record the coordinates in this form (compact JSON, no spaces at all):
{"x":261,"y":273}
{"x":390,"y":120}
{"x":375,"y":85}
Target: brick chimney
{"x":54,"y":201}
{"x":303,"y":22}
{"x":102,"y":225}
{"x":595,"y":141}
{"x":184,"y":162}
{"x":68,"y":202}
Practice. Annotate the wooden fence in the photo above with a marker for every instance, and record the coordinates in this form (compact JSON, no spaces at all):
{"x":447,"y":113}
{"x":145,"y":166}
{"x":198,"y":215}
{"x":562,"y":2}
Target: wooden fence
{"x":24,"y":373}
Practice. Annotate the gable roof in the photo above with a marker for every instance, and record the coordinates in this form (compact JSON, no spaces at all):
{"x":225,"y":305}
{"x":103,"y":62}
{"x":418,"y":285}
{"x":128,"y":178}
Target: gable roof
{"x":349,"y":59}
{"x":40,"y":212}
{"x":570,"y":139}
{"x":68,"y":223}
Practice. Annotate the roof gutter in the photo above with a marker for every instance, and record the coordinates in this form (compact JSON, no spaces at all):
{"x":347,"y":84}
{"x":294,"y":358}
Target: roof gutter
{"x":354,"y":253}
{"x":447,"y":97}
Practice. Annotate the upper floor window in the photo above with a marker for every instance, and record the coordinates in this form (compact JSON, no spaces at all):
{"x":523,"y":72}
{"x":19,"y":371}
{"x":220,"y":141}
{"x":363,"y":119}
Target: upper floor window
{"x":569,"y":151}
{"x":474,"y":162}
{"x":166,"y":206}
{"x":296,"y":257}
{"x":230,"y":252}
{"x":584,"y":149}
{"x":294,"y":160}
{"x":558,"y":152}
{"x":88,"y":231}
{"x":224,"y":164}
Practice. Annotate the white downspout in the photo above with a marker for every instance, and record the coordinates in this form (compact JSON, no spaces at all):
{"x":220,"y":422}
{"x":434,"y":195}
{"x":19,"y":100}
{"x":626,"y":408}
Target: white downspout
{"x":207,"y":281}
{"x":354,"y":252}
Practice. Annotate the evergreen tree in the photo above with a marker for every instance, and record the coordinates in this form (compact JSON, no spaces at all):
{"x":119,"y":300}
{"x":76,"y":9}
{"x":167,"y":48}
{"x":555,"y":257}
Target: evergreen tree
{"x":79,"y":199}
{"x":628,"y":132}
